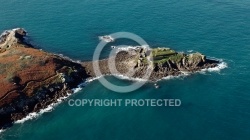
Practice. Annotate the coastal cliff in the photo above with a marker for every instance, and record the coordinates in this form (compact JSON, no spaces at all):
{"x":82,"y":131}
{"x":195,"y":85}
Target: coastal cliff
{"x":32,"y":79}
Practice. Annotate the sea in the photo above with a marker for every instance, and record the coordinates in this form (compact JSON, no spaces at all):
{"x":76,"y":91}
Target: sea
{"x":215,"y":103}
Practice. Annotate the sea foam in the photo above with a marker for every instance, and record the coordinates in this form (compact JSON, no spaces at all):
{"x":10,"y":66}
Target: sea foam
{"x":127,"y":48}
{"x":183,"y":74}
{"x":1,"y":131}
{"x":128,"y":78}
{"x":221,"y":65}
{"x":33,"y":115}
{"x":49,"y":108}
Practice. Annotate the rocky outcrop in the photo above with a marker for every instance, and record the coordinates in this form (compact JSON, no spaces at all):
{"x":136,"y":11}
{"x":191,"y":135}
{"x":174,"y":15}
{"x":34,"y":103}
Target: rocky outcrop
{"x":31,"y":79}
{"x":141,"y":60}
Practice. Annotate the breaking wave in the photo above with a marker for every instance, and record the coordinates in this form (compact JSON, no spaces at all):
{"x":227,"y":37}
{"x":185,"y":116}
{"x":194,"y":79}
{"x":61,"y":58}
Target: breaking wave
{"x":33,"y":115}
{"x":49,"y":108}
{"x":221,"y":65}
{"x":127,"y":48}
{"x":129,"y":78}
{"x":1,"y":131}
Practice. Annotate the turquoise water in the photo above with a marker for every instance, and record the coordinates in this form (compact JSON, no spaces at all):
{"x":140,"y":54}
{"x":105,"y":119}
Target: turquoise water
{"x":214,"y":105}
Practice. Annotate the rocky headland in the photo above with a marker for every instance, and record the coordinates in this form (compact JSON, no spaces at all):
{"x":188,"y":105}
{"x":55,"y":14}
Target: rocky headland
{"x":32,"y":79}
{"x":158,"y":62}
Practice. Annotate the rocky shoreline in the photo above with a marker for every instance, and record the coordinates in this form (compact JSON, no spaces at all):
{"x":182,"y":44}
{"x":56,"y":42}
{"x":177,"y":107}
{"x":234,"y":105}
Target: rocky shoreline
{"x":140,"y":60}
{"x":31,"y":79}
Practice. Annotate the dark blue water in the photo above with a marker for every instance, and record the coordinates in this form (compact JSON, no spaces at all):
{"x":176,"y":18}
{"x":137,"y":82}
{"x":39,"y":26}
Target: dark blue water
{"x":215,"y":105}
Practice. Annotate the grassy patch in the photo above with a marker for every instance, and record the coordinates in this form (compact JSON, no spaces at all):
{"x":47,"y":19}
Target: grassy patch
{"x":161,"y":55}
{"x":159,"y":52}
{"x":176,"y":57}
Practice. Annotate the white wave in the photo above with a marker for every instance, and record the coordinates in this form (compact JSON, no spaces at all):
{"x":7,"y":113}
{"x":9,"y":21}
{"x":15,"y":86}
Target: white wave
{"x":127,"y":48}
{"x":129,"y":78}
{"x":202,"y":72}
{"x":66,"y":57}
{"x":1,"y":131}
{"x":16,"y":29}
{"x":170,"y":77}
{"x":34,"y":115}
{"x":77,"y":89}
{"x":92,"y":79}
{"x":220,"y":66}
{"x":120,"y":76}
{"x":190,"y":51}
{"x":184,"y":74}
{"x":49,"y":108}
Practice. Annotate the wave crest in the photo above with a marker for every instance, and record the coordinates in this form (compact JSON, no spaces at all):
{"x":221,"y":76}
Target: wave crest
{"x":49,"y":108}
{"x":220,"y":66}
{"x":1,"y":131}
{"x":34,"y":115}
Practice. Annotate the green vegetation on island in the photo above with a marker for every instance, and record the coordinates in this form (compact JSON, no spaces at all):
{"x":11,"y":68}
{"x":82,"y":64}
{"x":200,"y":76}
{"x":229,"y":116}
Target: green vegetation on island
{"x":162,"y":55}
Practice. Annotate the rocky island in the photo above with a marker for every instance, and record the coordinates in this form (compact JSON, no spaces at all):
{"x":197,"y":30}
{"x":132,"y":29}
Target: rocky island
{"x":162,"y":62}
{"x":32,"y":79}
